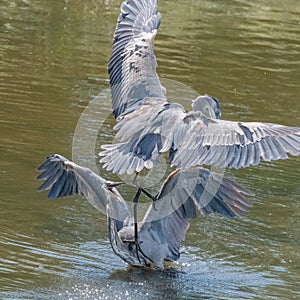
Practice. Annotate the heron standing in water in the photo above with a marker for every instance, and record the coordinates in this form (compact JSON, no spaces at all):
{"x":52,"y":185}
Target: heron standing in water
{"x":165,"y":224}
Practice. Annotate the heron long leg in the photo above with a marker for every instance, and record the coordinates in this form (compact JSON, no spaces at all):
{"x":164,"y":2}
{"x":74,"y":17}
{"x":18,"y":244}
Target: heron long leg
{"x":148,"y":195}
{"x":135,"y":203}
{"x":151,"y":197}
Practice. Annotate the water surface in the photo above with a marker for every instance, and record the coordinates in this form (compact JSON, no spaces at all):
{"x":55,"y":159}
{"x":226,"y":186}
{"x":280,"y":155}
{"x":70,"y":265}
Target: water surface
{"x":54,"y":63}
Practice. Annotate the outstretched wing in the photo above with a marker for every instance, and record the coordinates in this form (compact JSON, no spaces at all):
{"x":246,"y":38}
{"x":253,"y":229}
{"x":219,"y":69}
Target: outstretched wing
{"x":209,"y":191}
{"x":147,"y":132}
{"x":235,"y":144}
{"x":194,"y":140}
{"x":132,"y":66}
{"x":183,"y":192}
{"x":65,"y":178}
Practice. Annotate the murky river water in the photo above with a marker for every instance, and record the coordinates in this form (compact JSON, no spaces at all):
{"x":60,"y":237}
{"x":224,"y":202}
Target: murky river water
{"x":54,"y":62}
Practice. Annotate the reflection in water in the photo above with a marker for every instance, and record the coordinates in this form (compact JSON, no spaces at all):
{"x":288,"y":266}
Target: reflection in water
{"x":54,"y":61}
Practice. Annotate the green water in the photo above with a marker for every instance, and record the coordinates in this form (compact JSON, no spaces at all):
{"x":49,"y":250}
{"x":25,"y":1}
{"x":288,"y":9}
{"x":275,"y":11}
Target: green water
{"x":53,"y":62}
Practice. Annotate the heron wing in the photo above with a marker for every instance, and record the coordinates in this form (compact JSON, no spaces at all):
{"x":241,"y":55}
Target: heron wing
{"x":65,"y":178}
{"x":234,"y":144}
{"x":132,"y":66}
{"x":209,"y":191}
{"x":167,"y":220}
{"x":194,"y":140}
{"x":161,"y":234}
{"x":143,"y":135}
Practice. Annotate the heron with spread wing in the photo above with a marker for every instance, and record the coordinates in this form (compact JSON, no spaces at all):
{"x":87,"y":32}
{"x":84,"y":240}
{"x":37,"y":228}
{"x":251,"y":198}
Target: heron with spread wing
{"x":149,"y":125}
{"x":165,"y":224}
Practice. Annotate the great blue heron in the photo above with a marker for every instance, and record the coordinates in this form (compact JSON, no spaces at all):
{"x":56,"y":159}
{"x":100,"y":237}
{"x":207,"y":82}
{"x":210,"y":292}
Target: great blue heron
{"x":149,"y":125}
{"x":164,"y":225}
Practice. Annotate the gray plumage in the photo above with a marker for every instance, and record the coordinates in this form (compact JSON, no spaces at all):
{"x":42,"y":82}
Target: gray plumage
{"x":149,"y":125}
{"x":132,"y":66}
{"x":167,"y":220}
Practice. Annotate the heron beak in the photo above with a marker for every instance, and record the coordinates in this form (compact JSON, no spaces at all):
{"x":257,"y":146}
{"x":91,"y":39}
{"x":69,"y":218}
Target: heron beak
{"x":114,"y":184}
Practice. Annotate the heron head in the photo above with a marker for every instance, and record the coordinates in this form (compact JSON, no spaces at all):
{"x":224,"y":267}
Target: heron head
{"x":208,"y":105}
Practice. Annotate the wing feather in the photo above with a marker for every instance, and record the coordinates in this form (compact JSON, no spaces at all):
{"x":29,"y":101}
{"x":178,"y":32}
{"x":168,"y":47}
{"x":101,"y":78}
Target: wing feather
{"x":65,"y":178}
{"x":132,"y":66}
{"x":181,"y":194}
{"x":194,"y":140}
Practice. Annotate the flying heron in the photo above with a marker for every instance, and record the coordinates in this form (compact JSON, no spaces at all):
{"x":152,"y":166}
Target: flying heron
{"x":165,"y":224}
{"x":149,"y":125}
